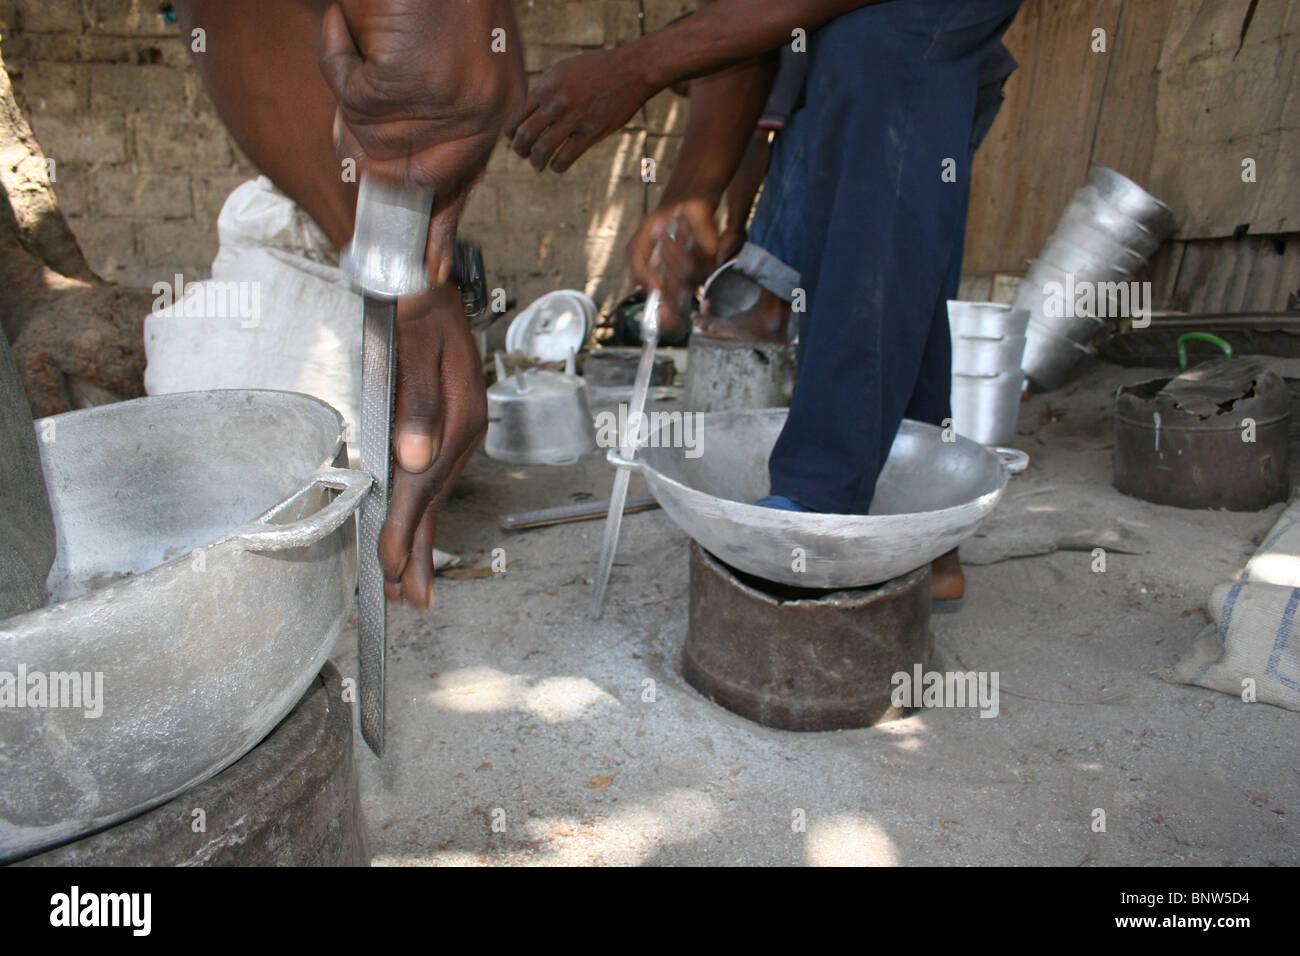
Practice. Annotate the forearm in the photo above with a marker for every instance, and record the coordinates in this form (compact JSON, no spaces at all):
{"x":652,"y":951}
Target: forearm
{"x":725,"y":32}
{"x":436,"y":22}
{"x":726,"y":47}
{"x":724,"y":110}
{"x":268,"y":90}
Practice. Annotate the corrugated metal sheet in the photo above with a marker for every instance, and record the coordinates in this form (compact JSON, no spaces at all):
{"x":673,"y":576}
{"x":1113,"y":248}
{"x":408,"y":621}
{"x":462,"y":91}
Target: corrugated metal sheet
{"x":1250,"y":274}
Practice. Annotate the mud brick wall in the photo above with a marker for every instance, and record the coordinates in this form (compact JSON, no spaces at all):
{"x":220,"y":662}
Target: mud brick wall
{"x":143,"y":164}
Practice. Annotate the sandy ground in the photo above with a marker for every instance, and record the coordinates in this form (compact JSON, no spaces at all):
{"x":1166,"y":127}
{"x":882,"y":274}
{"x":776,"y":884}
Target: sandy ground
{"x":520,"y":733}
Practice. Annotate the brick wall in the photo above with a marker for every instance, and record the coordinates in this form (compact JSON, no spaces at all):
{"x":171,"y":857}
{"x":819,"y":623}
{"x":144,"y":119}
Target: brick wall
{"x":143,"y":165}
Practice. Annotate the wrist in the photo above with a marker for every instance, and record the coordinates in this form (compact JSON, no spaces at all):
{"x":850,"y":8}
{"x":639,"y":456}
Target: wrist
{"x":654,"y":62}
{"x":693,"y":186}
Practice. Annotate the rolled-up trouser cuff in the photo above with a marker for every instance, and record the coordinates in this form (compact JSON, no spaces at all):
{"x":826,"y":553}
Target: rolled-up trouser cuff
{"x":768,"y":271}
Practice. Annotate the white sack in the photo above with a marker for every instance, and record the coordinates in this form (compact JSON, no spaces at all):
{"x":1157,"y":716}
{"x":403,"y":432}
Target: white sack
{"x":290,"y":322}
{"x":1255,"y":636}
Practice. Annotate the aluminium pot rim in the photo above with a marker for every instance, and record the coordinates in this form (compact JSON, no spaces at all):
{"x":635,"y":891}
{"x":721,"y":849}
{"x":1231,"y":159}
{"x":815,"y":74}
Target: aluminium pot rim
{"x":115,"y":589}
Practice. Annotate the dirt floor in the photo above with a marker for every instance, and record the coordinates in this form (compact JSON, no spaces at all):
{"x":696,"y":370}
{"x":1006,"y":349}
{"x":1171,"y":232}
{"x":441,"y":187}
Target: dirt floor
{"x":519,"y":734}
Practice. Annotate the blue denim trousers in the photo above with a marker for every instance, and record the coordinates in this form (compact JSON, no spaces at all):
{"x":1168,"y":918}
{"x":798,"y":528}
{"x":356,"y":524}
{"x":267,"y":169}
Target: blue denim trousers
{"x":866,"y":203}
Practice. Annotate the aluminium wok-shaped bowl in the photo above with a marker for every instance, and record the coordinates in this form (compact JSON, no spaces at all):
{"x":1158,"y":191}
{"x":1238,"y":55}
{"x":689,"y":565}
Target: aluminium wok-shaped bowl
{"x":204,"y":571}
{"x":931,"y":496}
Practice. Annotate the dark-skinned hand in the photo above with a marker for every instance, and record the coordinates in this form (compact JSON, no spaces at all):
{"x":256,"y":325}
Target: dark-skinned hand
{"x":673,"y":251}
{"x":423,"y":97}
{"x":577,"y":103}
{"x":441,"y":417}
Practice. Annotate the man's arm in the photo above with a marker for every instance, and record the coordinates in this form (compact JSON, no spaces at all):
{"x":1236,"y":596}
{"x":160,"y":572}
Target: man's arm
{"x":580,"y":101}
{"x":424,"y":89}
{"x":409,"y":116}
{"x":724,"y":32}
{"x":262,"y":75}
{"x":725,"y":108}
{"x":676,"y":246}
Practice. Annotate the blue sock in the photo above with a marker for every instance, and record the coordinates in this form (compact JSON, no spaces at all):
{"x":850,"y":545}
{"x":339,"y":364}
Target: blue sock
{"x":780,"y":503}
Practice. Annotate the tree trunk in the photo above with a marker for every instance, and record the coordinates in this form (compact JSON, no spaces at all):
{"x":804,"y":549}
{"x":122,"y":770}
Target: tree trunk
{"x":77,"y":340}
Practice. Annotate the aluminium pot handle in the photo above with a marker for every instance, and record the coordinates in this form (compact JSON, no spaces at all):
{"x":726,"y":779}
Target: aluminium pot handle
{"x":1013,"y":459}
{"x":261,"y":534}
{"x":615,"y":457}
{"x":1200,"y":337}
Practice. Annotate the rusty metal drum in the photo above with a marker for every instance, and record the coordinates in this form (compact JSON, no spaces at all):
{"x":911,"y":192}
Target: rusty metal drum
{"x":801,"y":658}
{"x":1214,"y":437}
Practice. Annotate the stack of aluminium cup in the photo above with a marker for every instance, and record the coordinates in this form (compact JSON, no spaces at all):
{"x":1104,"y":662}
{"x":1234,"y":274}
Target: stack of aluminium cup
{"x":1109,"y":230}
{"x":988,"y":340}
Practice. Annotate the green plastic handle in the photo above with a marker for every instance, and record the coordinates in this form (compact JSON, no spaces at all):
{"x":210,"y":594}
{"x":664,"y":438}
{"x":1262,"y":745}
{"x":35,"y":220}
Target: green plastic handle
{"x":1200,"y":337}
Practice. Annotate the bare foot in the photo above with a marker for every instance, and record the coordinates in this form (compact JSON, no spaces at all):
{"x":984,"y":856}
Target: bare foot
{"x":947,"y":580}
{"x":765,"y":321}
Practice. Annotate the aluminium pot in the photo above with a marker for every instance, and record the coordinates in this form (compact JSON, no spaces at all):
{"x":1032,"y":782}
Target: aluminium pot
{"x":1033,"y":295}
{"x":985,"y":320}
{"x":1083,"y":264}
{"x":1049,"y":356}
{"x":1104,"y":186}
{"x":1078,"y":241}
{"x":988,"y":344}
{"x":972,"y":356}
{"x":1214,"y":437}
{"x":987,"y":337}
{"x":985,"y":408}
{"x":932,"y":494}
{"x":1084,"y":210}
{"x":539,"y":417}
{"x":206,"y":564}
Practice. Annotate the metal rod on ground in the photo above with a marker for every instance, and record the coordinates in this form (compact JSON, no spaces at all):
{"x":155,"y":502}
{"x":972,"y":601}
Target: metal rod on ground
{"x":564,"y":514}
